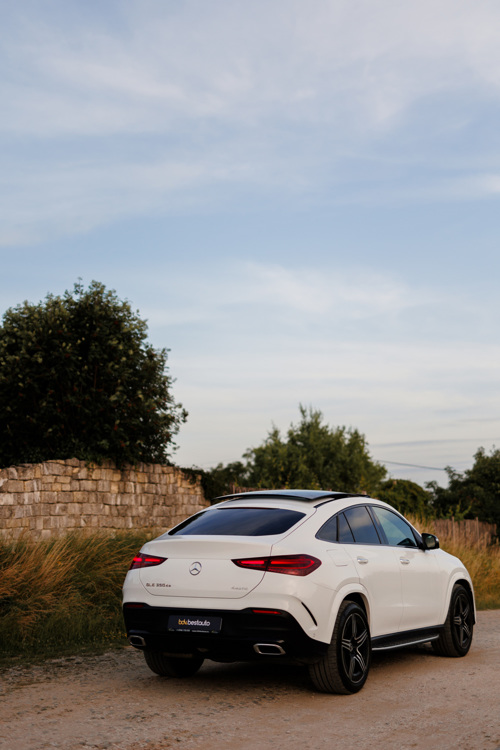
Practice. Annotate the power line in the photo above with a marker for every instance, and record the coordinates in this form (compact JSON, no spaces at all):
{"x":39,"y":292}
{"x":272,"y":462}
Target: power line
{"x":414,"y":466}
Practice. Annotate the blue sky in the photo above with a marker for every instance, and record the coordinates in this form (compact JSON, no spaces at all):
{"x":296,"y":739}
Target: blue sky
{"x":301,"y":199}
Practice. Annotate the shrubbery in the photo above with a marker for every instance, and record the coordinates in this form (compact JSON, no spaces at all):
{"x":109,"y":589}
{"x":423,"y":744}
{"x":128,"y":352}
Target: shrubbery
{"x":79,"y":380}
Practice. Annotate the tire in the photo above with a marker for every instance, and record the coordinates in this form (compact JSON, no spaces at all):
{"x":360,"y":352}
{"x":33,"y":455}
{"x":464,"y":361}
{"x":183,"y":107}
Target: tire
{"x":344,"y":667}
{"x":456,"y":637}
{"x":171,"y":666}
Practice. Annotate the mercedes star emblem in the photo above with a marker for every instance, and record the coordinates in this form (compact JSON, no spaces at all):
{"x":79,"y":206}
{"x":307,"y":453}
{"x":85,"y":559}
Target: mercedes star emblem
{"x":195,"y":568}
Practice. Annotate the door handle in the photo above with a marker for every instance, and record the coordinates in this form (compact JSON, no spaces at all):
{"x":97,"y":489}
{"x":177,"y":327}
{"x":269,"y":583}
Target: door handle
{"x":362,"y":560}
{"x":404,"y":560}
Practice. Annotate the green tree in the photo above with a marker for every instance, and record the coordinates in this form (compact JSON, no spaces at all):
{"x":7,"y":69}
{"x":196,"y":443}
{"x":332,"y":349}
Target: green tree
{"x":312,"y":455}
{"x":406,"y":496}
{"x":78,"y":379}
{"x":476,"y":492}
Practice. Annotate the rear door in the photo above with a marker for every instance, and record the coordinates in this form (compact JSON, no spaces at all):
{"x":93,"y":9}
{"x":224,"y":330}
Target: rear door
{"x":377,"y":569}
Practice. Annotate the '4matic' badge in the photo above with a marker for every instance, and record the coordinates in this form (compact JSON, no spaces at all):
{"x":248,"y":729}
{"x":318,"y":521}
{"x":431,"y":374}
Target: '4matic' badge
{"x":195,"y":568}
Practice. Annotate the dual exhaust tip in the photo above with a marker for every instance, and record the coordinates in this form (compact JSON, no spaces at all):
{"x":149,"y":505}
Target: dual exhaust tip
{"x":137,"y":641}
{"x":263,"y":649}
{"x":269,"y":649}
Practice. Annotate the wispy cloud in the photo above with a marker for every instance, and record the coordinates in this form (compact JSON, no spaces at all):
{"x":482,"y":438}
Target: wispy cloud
{"x":336,"y":101}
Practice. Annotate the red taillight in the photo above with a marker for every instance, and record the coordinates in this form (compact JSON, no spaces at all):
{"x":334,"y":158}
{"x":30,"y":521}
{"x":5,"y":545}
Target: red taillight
{"x":292,"y":565}
{"x":145,"y":561}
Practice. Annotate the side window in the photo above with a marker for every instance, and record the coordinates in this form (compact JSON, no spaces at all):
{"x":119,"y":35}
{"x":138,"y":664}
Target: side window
{"x":362,"y":526}
{"x":397,"y":531}
{"x":328,"y":532}
{"x":345,"y":533}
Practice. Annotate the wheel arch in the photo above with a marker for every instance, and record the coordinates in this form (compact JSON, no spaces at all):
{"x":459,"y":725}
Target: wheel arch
{"x":357,"y":595}
{"x":467,"y":586}
{"x":359,"y":598}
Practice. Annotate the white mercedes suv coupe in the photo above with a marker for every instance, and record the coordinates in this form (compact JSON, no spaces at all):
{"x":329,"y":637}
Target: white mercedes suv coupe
{"x":324,"y":578}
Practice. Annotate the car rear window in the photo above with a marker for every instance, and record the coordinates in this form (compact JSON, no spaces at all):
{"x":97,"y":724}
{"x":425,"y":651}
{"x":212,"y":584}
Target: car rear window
{"x":240,"y":522}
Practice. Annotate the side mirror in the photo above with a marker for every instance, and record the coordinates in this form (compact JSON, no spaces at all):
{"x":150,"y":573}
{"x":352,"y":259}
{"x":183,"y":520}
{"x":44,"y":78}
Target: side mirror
{"x":430,"y":541}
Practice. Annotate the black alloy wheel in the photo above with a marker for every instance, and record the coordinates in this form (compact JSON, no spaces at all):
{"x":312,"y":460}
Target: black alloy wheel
{"x":344,"y":668}
{"x":456,"y":637}
{"x":354,"y":647}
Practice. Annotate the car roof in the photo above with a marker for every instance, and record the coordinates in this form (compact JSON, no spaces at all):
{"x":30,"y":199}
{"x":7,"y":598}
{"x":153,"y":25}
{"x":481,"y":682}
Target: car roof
{"x":316,"y":497}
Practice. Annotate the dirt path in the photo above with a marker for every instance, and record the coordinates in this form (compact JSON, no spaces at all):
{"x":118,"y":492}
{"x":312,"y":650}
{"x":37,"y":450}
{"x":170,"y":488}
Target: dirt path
{"x":412,"y":699}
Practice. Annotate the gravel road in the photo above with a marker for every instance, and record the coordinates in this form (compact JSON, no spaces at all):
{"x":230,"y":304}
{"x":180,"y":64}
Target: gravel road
{"x":412,"y":699}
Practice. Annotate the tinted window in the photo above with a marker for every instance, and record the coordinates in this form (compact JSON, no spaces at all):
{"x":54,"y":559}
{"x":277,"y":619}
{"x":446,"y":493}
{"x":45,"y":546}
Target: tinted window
{"x":397,"y":531}
{"x":240,"y":522}
{"x":362,"y":527}
{"x":345,"y":533}
{"x":328,"y":532}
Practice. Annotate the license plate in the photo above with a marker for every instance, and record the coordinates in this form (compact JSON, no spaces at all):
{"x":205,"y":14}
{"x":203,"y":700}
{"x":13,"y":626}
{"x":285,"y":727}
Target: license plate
{"x":194,"y":624}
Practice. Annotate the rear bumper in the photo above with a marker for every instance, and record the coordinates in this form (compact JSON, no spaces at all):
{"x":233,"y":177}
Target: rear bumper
{"x":241,"y":631}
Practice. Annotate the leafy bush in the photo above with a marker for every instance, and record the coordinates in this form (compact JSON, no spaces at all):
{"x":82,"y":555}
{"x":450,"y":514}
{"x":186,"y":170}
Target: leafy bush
{"x":312,"y":455}
{"x":406,"y":496}
{"x":77,"y":379}
{"x":476,"y":492}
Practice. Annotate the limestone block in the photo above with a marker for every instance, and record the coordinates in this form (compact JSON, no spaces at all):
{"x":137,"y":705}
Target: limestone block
{"x":11,"y":472}
{"x":88,"y":485}
{"x":54,"y":468}
{"x":63,"y":479}
{"x":49,"y":497}
{"x":25,"y":471}
{"x":103,"y":485}
{"x":7,"y":498}
{"x":14,"y":485}
{"x":73,"y":462}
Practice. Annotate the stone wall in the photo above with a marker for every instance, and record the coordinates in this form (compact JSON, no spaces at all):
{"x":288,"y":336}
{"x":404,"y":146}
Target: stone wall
{"x":55,"y":497}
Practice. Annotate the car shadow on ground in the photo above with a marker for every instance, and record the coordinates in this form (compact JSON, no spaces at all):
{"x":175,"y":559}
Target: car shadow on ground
{"x":275,"y":677}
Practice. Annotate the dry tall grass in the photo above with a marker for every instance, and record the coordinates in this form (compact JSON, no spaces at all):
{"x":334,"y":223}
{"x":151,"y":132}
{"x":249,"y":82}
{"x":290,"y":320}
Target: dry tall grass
{"x":63,"y":594}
